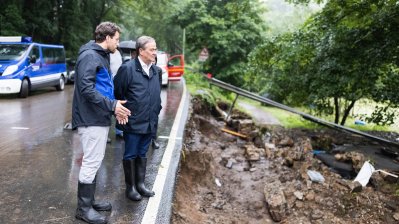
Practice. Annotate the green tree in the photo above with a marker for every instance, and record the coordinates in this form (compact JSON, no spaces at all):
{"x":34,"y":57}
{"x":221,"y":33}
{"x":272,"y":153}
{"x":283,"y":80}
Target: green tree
{"x":11,"y":22}
{"x":340,"y":56}
{"x":73,"y":28}
{"x":229,"y":29}
{"x":70,"y":23}
{"x":152,"y":18}
{"x":73,"y":22}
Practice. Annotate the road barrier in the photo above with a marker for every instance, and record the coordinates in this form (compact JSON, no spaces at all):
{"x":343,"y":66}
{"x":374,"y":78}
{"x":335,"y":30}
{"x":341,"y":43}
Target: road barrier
{"x":253,"y":96}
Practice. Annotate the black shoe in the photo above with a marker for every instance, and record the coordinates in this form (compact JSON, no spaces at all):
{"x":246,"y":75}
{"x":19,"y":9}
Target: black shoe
{"x":140,"y":176}
{"x":85,"y":210}
{"x":129,"y":168}
{"x":155,"y":144}
{"x":120,"y":136}
{"x":109,"y":140}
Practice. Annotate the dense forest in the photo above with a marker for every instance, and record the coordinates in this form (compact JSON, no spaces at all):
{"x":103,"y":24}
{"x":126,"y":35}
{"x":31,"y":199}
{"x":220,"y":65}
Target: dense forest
{"x":72,"y":22}
{"x":328,"y":57}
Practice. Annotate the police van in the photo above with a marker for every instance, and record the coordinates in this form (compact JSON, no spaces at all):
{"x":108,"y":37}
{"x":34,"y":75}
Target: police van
{"x":25,"y":66}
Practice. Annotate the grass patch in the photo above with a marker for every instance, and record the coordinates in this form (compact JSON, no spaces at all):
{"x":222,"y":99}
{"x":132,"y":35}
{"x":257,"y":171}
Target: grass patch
{"x":290,"y":120}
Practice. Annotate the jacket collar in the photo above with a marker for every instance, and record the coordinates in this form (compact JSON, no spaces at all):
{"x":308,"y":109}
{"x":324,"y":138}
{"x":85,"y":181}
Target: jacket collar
{"x":139,"y":68}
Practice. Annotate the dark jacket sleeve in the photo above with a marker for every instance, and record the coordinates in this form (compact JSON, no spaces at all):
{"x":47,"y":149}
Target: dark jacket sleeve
{"x":87,"y":83}
{"x":160,"y":76}
{"x":121,"y":82}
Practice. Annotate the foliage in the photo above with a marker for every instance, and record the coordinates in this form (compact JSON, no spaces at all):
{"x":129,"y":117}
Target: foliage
{"x":70,"y":23}
{"x":11,"y":22}
{"x":305,"y":1}
{"x":283,"y":17}
{"x":228,"y":29}
{"x":151,"y":18}
{"x":195,"y":79}
{"x":199,"y":86}
{"x":338,"y":57}
{"x":73,"y":22}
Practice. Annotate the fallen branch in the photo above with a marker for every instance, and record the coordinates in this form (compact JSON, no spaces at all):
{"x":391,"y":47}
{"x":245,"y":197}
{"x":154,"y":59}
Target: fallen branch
{"x":234,"y":133}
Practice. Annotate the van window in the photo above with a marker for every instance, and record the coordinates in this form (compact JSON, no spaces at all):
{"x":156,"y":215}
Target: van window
{"x":35,"y":52}
{"x":53,"y":55}
{"x":12,"y":51}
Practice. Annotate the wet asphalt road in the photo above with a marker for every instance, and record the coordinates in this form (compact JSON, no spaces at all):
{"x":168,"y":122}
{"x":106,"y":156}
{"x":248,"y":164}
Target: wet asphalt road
{"x":40,"y":161}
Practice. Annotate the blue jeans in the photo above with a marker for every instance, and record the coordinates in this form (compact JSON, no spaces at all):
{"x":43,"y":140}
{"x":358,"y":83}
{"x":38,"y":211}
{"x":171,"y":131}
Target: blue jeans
{"x":136,"y":145}
{"x":118,"y":132}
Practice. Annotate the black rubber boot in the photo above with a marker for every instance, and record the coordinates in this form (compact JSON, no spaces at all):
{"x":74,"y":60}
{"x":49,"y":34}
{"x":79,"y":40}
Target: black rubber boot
{"x":100,"y":205}
{"x":85,"y":210}
{"x":129,"y":168}
{"x":155,"y":144}
{"x":140,"y":176}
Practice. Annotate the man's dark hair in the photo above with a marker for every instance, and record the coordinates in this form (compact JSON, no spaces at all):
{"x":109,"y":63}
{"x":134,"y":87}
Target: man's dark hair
{"x":105,"y":29}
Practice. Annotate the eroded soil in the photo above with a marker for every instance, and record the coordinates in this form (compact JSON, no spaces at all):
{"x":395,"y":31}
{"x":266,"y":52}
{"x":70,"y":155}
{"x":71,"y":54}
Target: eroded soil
{"x":263,"y":178}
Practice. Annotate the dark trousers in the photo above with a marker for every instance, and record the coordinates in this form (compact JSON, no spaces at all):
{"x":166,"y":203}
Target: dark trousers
{"x":154,"y":133}
{"x":136,"y":145}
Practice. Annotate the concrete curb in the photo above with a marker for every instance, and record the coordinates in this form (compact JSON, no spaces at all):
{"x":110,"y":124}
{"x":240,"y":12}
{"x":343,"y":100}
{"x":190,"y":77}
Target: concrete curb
{"x":159,"y":207}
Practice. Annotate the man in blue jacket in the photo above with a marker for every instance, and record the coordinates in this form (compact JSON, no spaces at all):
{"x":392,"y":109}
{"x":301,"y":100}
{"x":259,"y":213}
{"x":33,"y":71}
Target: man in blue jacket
{"x":92,"y":108}
{"x":137,"y":82}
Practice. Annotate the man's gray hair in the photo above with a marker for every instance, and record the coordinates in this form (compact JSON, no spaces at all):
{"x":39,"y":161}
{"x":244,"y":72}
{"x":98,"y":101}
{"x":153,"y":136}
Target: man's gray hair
{"x":142,"y":41}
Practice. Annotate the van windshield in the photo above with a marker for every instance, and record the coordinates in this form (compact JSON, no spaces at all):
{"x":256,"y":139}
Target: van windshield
{"x":12,"y":51}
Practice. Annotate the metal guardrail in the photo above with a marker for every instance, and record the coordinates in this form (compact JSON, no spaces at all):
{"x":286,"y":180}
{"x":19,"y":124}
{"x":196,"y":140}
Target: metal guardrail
{"x":256,"y":97}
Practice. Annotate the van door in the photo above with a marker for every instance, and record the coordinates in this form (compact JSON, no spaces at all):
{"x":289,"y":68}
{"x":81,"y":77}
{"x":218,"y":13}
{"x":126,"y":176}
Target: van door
{"x":50,"y":70}
{"x":176,"y":67}
{"x":35,"y":63}
{"x":52,"y":66}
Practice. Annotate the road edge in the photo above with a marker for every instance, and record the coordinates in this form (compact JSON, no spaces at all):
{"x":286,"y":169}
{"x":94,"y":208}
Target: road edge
{"x":159,"y":207}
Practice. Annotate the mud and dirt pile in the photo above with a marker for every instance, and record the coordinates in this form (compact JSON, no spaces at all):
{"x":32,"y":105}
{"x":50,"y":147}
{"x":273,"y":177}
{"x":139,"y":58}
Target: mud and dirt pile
{"x":264,"y":177}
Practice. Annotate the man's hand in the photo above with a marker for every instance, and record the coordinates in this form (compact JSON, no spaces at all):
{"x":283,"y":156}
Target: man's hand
{"x":122,"y":120}
{"x":121,"y":112}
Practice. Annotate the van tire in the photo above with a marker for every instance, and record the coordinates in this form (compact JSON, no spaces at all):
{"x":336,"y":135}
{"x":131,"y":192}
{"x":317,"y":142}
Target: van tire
{"x":61,"y":84}
{"x":24,"y":92}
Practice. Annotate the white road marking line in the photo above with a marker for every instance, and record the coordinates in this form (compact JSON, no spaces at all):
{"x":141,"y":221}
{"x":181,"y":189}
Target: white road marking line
{"x":167,"y":137}
{"x":151,"y":212}
{"x":20,"y":128}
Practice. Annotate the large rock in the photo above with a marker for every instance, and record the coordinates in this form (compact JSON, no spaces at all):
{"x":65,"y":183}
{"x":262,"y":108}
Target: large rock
{"x":246,"y":127}
{"x":276,"y":202}
{"x":355,"y":158}
{"x":286,"y":141}
{"x":253,"y":153}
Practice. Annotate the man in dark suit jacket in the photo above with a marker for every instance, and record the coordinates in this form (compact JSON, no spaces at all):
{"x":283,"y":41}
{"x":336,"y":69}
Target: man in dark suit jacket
{"x":137,"y":82}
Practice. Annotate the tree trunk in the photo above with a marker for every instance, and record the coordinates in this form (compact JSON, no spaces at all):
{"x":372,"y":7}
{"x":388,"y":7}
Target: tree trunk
{"x":337,"y":107}
{"x":347,"y":111}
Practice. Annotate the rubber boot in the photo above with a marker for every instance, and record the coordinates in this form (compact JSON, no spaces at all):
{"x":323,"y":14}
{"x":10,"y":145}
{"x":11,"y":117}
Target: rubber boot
{"x":140,"y":176}
{"x":129,"y":168}
{"x":100,"y":205}
{"x":85,"y":210}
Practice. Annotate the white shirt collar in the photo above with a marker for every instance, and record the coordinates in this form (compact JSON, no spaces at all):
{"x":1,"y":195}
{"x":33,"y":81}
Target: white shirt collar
{"x":145,"y":67}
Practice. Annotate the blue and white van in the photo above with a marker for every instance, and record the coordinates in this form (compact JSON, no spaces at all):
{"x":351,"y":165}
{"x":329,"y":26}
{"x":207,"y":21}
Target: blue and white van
{"x":25,"y":66}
